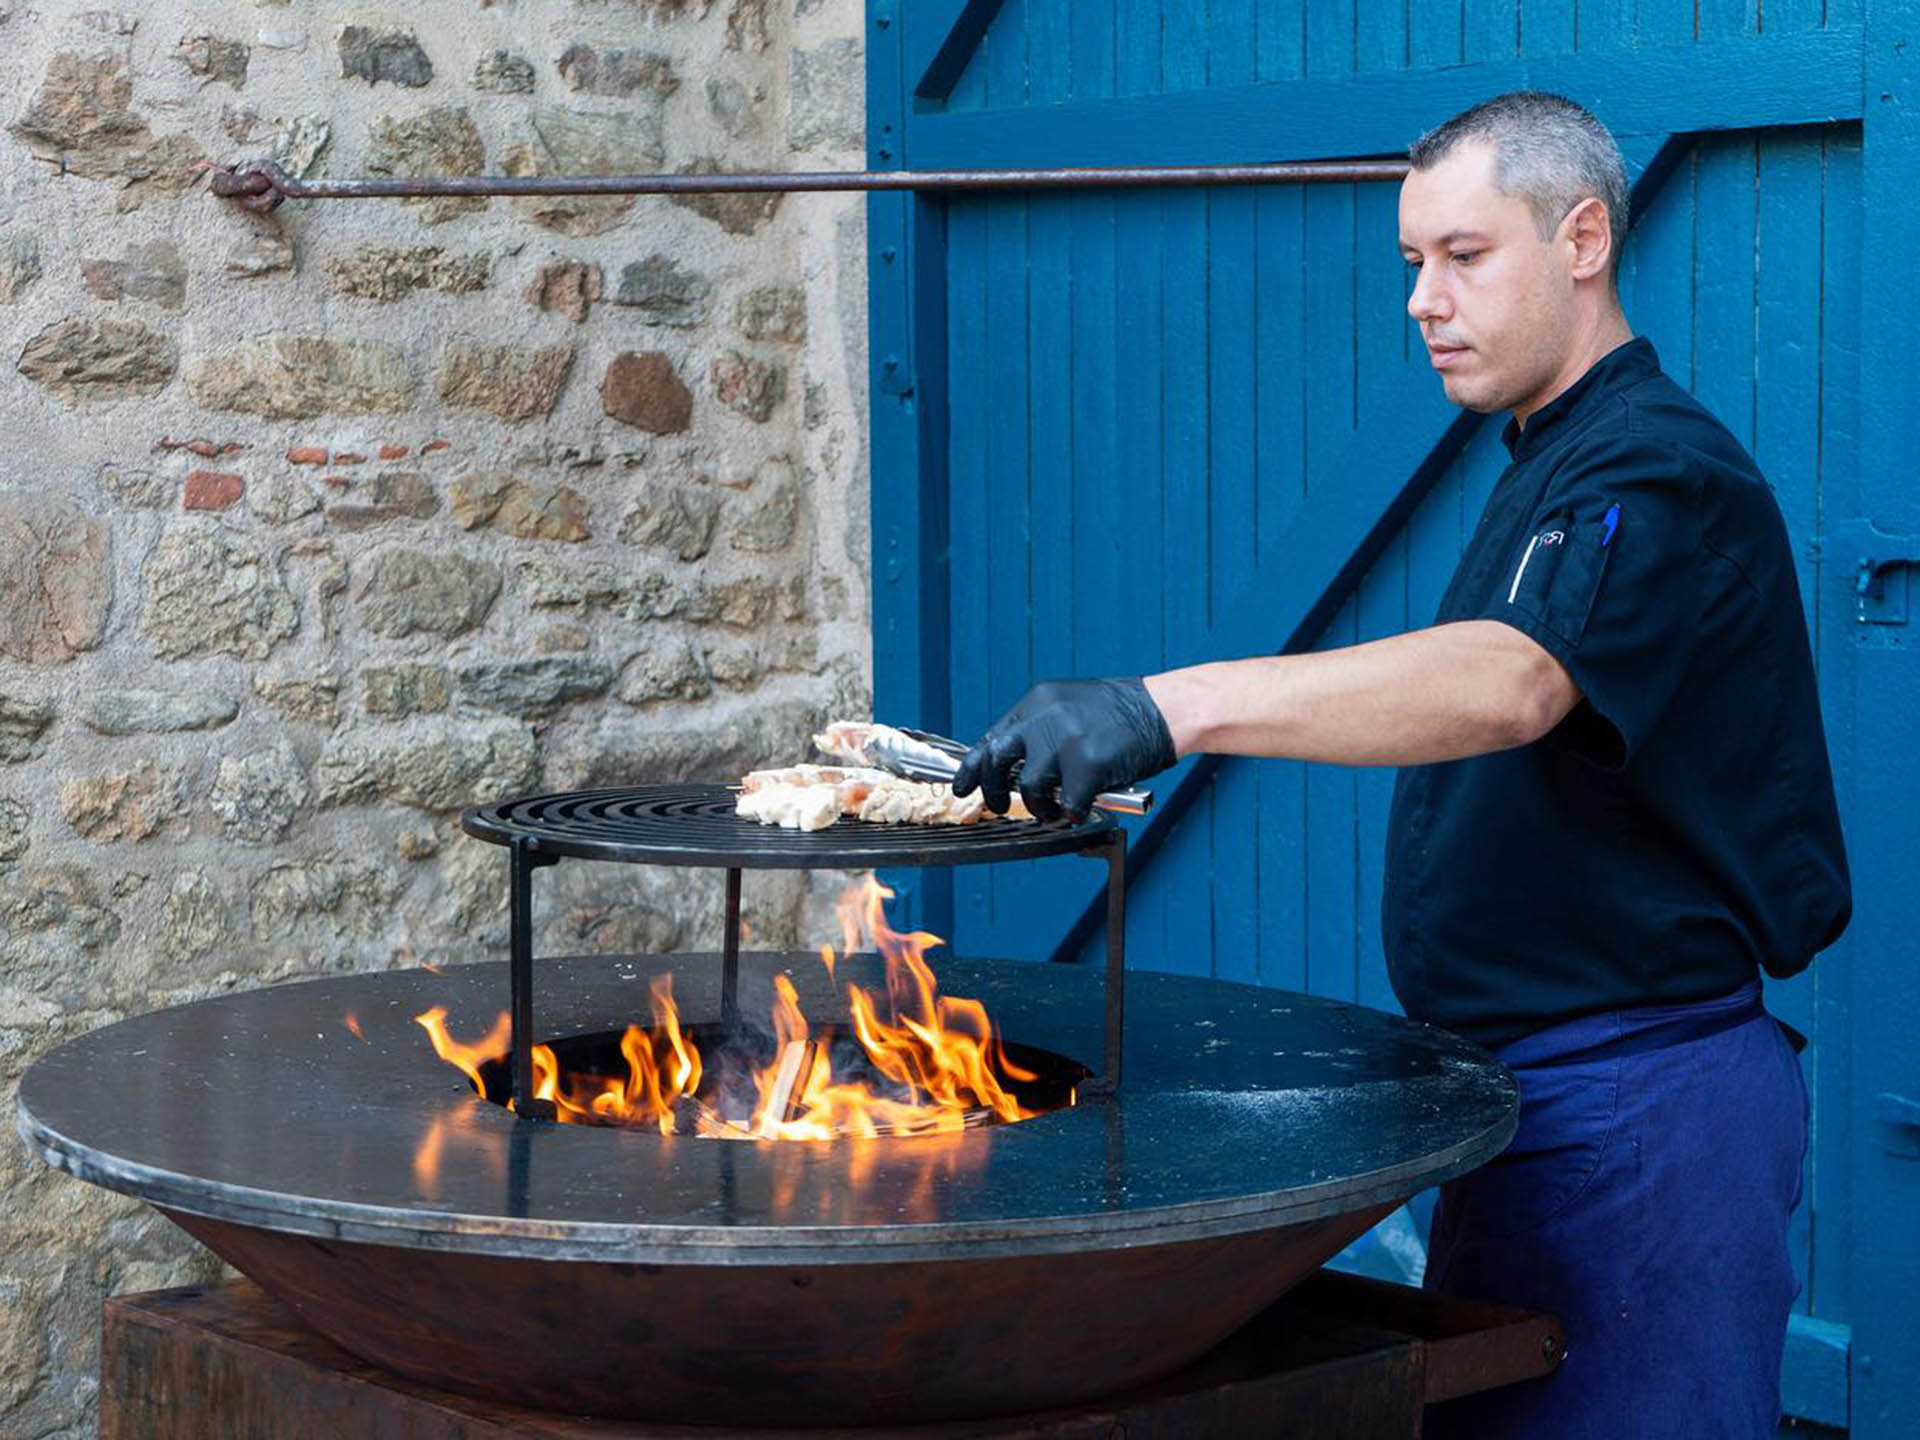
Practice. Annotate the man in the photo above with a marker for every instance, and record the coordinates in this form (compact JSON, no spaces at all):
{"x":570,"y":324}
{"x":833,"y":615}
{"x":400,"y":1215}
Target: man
{"x":1616,"y":807}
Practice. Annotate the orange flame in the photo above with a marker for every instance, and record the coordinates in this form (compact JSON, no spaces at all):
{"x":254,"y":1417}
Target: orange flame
{"x":943,"y":1066}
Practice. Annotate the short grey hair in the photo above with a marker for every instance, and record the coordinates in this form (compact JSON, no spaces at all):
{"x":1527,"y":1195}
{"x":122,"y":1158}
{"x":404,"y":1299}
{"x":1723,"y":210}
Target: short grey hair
{"x":1549,"y":151}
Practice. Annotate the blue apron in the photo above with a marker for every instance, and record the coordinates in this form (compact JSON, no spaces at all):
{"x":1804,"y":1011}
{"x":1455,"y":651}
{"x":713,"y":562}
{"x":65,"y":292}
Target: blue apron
{"x":1645,"y":1201}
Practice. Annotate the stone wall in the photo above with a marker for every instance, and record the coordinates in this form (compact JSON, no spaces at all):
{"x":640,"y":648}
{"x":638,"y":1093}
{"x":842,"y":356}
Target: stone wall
{"x":318,"y":527}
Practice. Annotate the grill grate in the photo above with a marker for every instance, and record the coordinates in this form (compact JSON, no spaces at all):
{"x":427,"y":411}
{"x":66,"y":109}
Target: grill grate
{"x":695,"y":824}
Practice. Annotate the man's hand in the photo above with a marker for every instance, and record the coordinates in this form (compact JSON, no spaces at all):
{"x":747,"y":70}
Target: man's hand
{"x":1078,"y":736}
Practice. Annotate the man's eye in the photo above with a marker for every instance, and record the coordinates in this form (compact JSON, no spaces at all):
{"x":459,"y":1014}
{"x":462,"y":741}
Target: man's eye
{"x":1412,"y":263}
{"x":1465,"y":257}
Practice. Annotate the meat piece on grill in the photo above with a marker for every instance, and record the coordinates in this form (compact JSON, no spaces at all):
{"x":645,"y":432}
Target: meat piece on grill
{"x":812,"y":797}
{"x":796,"y":807}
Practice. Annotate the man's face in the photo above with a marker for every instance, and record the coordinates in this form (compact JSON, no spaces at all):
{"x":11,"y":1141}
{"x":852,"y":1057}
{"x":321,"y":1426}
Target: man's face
{"x":1494,"y":302}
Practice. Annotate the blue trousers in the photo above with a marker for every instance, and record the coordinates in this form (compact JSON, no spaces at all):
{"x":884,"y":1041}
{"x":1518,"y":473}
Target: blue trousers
{"x":1645,"y":1201}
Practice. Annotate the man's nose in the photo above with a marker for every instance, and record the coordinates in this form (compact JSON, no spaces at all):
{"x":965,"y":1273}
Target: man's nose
{"x":1428,"y":300}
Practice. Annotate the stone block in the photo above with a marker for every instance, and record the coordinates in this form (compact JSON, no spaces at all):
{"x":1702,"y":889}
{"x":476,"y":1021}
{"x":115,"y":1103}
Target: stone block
{"x":301,"y":377}
{"x":665,"y":291}
{"x":643,"y":391}
{"x":56,"y":578}
{"x":442,"y":141}
{"x":510,"y":382}
{"x":153,"y":712}
{"x":390,"y":57}
{"x":88,"y":359}
{"x":527,"y":509}
{"x":399,"y":591}
{"x":211,"y":594}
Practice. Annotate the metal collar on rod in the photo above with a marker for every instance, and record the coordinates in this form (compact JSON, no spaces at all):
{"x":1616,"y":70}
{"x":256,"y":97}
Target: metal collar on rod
{"x":261,"y":184}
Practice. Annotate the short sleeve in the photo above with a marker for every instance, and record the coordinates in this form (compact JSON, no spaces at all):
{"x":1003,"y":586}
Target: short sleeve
{"x":1606,"y":578}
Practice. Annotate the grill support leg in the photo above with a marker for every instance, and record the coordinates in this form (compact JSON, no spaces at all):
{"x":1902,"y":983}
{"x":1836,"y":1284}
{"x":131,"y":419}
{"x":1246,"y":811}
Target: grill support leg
{"x":525,"y":859}
{"x":730,"y":957}
{"x":1108,"y":1081}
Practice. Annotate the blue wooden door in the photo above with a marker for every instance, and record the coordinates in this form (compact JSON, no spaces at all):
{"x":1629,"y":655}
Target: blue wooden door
{"x":1120,"y":431}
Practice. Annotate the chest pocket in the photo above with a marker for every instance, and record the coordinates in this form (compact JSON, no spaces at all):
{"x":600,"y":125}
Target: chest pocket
{"x":1573,"y":581}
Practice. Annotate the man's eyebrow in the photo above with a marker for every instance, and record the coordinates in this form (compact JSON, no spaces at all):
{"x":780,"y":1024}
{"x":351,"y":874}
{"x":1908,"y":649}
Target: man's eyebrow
{"x":1450,"y":239}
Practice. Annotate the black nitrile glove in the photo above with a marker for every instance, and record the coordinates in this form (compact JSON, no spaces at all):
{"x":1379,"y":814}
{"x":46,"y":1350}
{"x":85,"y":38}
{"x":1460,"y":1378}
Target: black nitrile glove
{"x":1077,"y":736}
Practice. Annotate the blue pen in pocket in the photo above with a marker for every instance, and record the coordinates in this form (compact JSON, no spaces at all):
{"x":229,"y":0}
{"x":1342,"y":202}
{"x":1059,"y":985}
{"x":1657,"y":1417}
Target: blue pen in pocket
{"x":1609,"y":524}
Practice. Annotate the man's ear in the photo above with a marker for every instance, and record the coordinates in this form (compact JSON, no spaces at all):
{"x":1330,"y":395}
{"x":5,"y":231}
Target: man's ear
{"x":1589,"y":230}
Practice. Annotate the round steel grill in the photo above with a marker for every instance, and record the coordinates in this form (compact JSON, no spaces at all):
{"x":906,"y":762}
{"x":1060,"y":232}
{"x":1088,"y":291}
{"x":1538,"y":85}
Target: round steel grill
{"x":695,"y":824}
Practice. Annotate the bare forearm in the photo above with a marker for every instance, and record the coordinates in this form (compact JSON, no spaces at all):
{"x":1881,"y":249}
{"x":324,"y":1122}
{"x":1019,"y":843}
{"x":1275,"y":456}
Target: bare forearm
{"x":1415,"y":699}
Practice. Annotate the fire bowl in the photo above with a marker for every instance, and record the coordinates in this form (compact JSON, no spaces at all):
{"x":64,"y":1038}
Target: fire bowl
{"x":622,"y":1273}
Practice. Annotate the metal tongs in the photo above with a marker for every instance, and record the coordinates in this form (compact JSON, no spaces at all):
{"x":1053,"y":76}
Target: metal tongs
{"x":923,"y":756}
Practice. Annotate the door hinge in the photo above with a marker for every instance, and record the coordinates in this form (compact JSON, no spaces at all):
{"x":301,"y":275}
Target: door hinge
{"x":1879,"y":568}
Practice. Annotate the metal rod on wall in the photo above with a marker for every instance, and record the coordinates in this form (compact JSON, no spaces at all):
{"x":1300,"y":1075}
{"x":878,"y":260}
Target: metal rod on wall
{"x":261,"y":184}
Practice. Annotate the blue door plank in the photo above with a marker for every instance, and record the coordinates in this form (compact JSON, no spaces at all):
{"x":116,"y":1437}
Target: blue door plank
{"x":1720,"y":19}
{"x":1039,"y":640}
{"x":1661,"y":303}
{"x":1381,"y":610}
{"x":1094,"y":70}
{"x":1183,"y":49}
{"x":1436,"y":32}
{"x":1184,"y":535}
{"x":1184,"y":439}
{"x":1607,"y":29}
{"x":1136,"y":47}
{"x":1232,"y":490}
{"x":972,"y":279}
{"x":1049,"y":51}
{"x":1279,"y":45}
{"x":1183,"y":914}
{"x":1232,"y":40}
{"x":1838,"y":459}
{"x":1138,"y":482}
{"x":1332,"y":398}
{"x":1490,"y":30}
{"x":1724,"y":298}
{"x":1330,"y":39}
{"x":1282,"y":361}
{"x":1233,"y":883}
{"x":1839,"y":14}
{"x":1281,"y":872}
{"x":1663,"y":22}
{"x":1786,"y":445}
{"x":1332,"y":945}
{"x":1548,"y":27}
{"x":1178,"y":895}
{"x":1010,"y":599}
{"x":1787,"y":17}
{"x":1281,"y":366}
{"x":1006,"y":59}
{"x":1230,"y":518}
{"x":1380,"y":36}
{"x":1103,"y":640}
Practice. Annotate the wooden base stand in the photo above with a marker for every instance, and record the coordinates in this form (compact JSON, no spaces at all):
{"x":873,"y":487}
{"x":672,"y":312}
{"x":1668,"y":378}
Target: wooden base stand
{"x":1339,"y":1359}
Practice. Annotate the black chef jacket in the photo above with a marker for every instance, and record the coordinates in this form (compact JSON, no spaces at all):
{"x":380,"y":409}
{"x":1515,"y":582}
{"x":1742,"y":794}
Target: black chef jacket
{"x":1678,"y":829}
